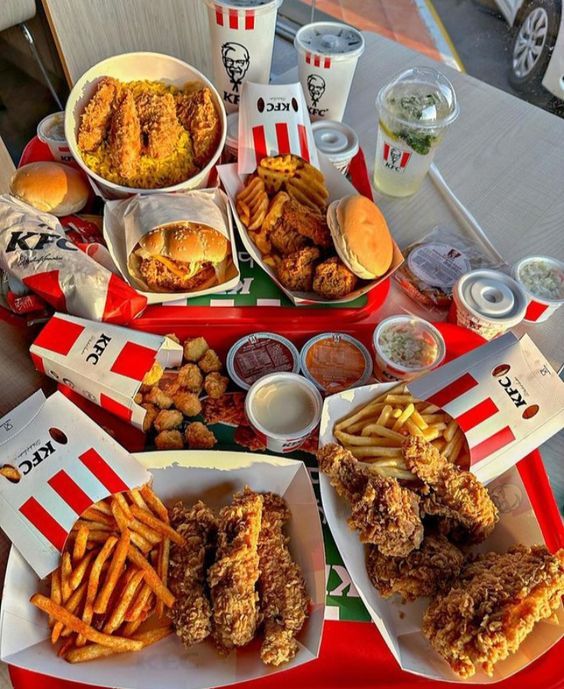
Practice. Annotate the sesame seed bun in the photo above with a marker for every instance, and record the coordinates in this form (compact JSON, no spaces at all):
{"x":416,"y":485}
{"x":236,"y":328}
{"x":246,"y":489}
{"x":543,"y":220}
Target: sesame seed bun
{"x":186,"y":242}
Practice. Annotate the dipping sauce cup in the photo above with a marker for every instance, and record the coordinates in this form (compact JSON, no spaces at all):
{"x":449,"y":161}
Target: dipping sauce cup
{"x":542,"y":280}
{"x":51,"y":131}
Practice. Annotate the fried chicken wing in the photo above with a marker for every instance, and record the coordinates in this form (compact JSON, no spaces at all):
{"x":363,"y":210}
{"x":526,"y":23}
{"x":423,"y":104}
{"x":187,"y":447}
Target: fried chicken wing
{"x":283,"y":599}
{"x":125,"y":137}
{"x":286,"y":240}
{"x":333,"y":280}
{"x":198,"y":115}
{"x":233,"y":576}
{"x":383,"y":512}
{"x":462,"y":504}
{"x":159,"y":124}
{"x":295,"y":271}
{"x":307,"y":222}
{"x":191,"y":614}
{"x":493,"y":606}
{"x":424,"y":572}
{"x":95,"y":119}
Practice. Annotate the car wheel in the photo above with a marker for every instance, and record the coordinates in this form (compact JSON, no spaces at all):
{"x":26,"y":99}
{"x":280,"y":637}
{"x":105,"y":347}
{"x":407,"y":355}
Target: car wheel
{"x":535,"y":32}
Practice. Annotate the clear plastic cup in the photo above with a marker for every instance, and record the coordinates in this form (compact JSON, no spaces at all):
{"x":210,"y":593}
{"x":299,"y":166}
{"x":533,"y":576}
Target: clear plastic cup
{"x":414,"y":111}
{"x":51,"y":131}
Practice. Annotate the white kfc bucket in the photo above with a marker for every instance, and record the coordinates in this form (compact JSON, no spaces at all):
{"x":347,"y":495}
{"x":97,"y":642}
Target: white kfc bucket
{"x":132,"y":67}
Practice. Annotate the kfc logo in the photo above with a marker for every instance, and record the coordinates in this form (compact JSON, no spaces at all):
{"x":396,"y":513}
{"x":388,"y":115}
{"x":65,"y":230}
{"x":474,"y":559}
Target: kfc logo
{"x":395,"y":158}
{"x":236,"y":60}
{"x":316,"y":88}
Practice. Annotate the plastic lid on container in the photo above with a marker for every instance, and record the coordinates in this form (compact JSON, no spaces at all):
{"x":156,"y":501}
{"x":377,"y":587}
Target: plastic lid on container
{"x":334,"y":39}
{"x":422,"y":96}
{"x":421,"y":329}
{"x":542,"y":277}
{"x":438,"y":264}
{"x":232,"y":138}
{"x":259,"y":354}
{"x":336,"y":140}
{"x":244,"y":4}
{"x":52,"y":128}
{"x":493,"y":295}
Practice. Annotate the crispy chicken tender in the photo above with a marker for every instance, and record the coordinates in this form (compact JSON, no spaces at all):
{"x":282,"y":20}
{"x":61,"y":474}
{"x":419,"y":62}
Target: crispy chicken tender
{"x":215,"y":384}
{"x":333,"y":280}
{"x":159,"y":124}
{"x":464,"y":507}
{"x":195,"y":348}
{"x":167,"y":419}
{"x":169,"y":440}
{"x":233,"y":576}
{"x":283,"y":599}
{"x":383,"y":512}
{"x":159,"y":398}
{"x":199,"y":436}
{"x":424,"y":572}
{"x":287,"y":240}
{"x":95,"y":119}
{"x":493,"y":606}
{"x":307,"y":222}
{"x":198,"y":115}
{"x":210,"y":362}
{"x":296,"y":270}
{"x":190,"y":377}
{"x":191,"y":613}
{"x":229,"y":408}
{"x":188,"y":403}
{"x":125,"y":137}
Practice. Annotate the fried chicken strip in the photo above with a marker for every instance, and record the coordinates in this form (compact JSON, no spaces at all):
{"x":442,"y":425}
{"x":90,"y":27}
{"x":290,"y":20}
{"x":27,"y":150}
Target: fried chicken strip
{"x":424,"y":572}
{"x":95,"y":119}
{"x":233,"y":576}
{"x":283,"y":598}
{"x":463,"y":505}
{"x":125,"y":137}
{"x":159,"y":124}
{"x":383,"y":512}
{"x":191,"y":614}
{"x":197,"y":114}
{"x":493,"y":606}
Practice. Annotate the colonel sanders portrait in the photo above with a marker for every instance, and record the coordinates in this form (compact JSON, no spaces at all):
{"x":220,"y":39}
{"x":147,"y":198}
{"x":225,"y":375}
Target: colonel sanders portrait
{"x":395,"y":155}
{"x":316,"y":88}
{"x":236,"y":61}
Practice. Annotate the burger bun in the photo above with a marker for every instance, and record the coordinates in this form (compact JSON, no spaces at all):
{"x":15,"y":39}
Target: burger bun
{"x":50,"y":187}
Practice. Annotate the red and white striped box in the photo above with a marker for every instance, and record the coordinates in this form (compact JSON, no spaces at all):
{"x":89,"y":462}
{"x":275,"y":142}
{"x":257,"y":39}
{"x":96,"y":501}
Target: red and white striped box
{"x":273,"y":120}
{"x":104,"y":363}
{"x":66,"y":463}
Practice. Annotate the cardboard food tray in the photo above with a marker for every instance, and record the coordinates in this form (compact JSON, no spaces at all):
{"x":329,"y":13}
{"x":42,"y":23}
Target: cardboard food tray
{"x":338,"y":187}
{"x":400,"y":624}
{"x":213,"y":477}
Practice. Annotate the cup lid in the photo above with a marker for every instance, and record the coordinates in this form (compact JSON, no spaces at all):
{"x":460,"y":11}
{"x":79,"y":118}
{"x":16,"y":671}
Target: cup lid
{"x":336,"y":139}
{"x":493,"y":295}
{"x":420,"y":328}
{"x":420,"y":96}
{"x":542,"y":277}
{"x":330,"y":38}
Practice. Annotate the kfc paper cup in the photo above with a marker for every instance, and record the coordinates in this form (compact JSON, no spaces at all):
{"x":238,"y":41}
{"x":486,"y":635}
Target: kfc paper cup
{"x":542,"y":280}
{"x":327,"y":56}
{"x":242,"y":39}
{"x":51,"y":131}
{"x":337,"y":141}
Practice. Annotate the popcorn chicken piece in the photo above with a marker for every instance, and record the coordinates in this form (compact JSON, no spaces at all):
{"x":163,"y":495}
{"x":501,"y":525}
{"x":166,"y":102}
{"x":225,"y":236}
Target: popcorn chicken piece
{"x":169,"y":440}
{"x":188,"y":403}
{"x":138,"y":399}
{"x":169,"y":383}
{"x":159,"y":398}
{"x":190,"y":377}
{"x":167,"y":419}
{"x":150,"y":416}
{"x":215,"y":384}
{"x":199,"y":436}
{"x":195,"y":348}
{"x":210,"y":362}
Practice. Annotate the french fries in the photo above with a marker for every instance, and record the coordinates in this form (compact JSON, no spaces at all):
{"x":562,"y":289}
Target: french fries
{"x":112,"y":578}
{"x":374,"y":432}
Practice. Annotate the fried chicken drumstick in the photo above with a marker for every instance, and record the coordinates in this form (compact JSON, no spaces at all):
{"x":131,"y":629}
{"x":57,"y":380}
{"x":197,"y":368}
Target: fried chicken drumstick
{"x":493,"y":606}
{"x":383,"y":512}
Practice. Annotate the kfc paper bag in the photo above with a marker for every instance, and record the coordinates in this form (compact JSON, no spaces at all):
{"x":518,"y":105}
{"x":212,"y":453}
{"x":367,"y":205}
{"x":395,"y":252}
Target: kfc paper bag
{"x":273,"y":120}
{"x":66,"y":462}
{"x":104,"y":363}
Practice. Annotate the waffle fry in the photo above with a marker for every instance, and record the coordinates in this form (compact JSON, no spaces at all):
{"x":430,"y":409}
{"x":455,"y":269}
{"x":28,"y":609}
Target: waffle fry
{"x":307,"y":186}
{"x":277,"y":170}
{"x":252,"y":203}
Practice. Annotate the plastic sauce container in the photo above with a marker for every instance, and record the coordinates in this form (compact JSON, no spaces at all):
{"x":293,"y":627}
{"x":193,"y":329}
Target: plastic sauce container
{"x":259,"y":354}
{"x":51,"y":131}
{"x":337,"y":141}
{"x":283,"y":409}
{"x":542,"y":280}
{"x":406,"y":347}
{"x":488,"y":302}
{"x":335,"y":362}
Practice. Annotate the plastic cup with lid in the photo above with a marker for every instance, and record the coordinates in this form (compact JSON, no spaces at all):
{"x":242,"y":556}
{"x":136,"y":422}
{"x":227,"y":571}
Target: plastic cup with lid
{"x":337,"y":141}
{"x":542,"y":280}
{"x":242,"y":39}
{"x":414,"y":111}
{"x":328,"y":53}
{"x":51,"y":131}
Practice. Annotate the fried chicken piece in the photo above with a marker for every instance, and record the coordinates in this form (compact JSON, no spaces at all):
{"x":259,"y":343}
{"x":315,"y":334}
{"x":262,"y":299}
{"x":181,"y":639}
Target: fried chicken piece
{"x":198,"y":115}
{"x":383,"y":512}
{"x":191,"y":378}
{"x":295,"y":271}
{"x":159,"y":398}
{"x":199,"y":436}
{"x":168,"y":383}
{"x":287,"y":240}
{"x":169,"y":440}
{"x":159,"y":125}
{"x":493,"y":606}
{"x":188,"y":403}
{"x":150,"y":416}
{"x":95,"y":119}
{"x":233,"y":576}
{"x":333,"y":280}
{"x":215,"y":384}
{"x":191,"y":613}
{"x":167,"y":419}
{"x":210,"y":362}
{"x":462,"y":503}
{"x":195,"y":348}
{"x":230,"y":408}
{"x":424,"y":572}
{"x":283,"y":599}
{"x":307,"y":222}
{"x":246,"y":437}
{"x":125,"y":137}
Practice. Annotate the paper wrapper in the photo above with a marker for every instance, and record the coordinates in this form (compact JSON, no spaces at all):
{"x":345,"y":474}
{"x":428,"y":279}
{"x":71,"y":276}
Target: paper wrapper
{"x":338,"y":186}
{"x":126,"y":221}
{"x":400,"y":623}
{"x":66,"y":463}
{"x":212,"y":477}
{"x":273,"y":120}
{"x":101,"y":362}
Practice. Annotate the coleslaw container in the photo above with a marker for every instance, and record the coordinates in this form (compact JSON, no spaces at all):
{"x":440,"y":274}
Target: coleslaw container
{"x":540,"y":307}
